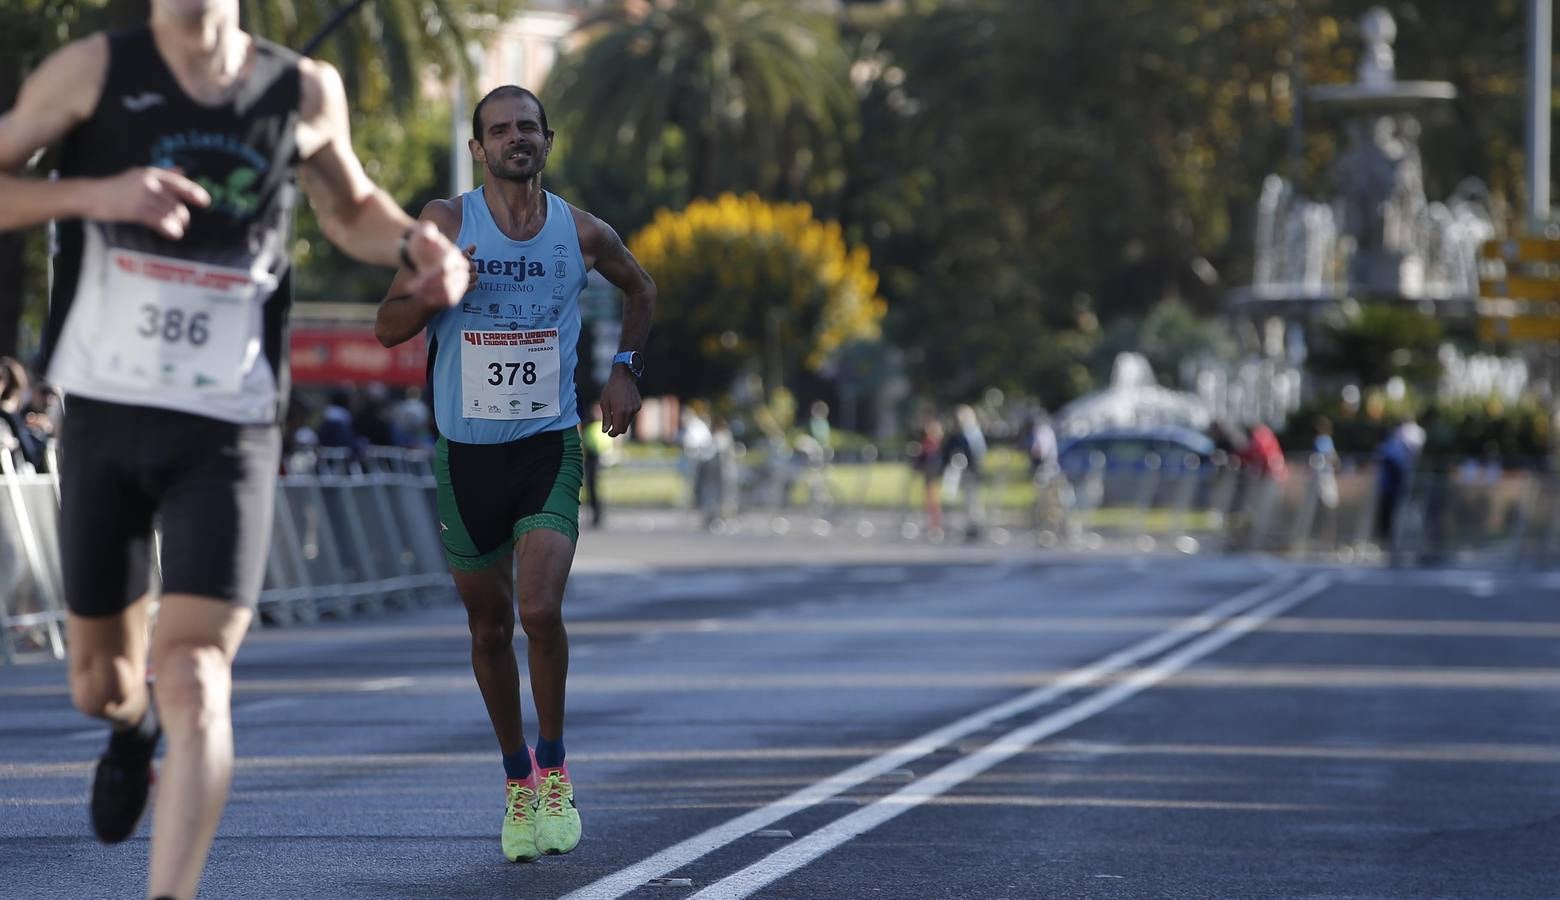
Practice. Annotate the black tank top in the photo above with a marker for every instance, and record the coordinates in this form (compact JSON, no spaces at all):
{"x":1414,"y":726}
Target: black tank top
{"x":244,"y":153}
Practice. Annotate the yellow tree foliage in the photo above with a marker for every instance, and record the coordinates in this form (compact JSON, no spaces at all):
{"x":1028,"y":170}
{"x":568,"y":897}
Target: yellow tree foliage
{"x":741,"y":279}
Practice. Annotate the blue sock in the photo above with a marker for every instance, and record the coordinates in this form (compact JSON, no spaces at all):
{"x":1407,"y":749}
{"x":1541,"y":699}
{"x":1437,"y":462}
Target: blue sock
{"x":549,"y":754}
{"x":517,"y":766}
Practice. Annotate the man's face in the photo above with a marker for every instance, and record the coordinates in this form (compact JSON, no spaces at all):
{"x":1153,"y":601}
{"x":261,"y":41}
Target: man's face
{"x":513,"y":146}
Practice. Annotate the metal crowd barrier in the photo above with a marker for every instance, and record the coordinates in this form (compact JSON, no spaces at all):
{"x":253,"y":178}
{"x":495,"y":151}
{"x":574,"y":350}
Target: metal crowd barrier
{"x":1447,"y":512}
{"x":356,"y":537}
{"x":355,"y":533}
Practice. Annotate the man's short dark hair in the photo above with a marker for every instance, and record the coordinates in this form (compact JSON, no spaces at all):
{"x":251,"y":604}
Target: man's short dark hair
{"x":507,"y":90}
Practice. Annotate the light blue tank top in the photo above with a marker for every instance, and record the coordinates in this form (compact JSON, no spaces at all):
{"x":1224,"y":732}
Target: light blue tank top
{"x":502,"y":363}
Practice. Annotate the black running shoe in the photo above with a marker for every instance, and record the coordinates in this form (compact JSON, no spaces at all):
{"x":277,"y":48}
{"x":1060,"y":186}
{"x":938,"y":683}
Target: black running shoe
{"x":120,"y":787}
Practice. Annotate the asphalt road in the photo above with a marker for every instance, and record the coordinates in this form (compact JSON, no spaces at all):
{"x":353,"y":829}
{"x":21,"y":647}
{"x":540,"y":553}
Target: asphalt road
{"x":822,"y":717}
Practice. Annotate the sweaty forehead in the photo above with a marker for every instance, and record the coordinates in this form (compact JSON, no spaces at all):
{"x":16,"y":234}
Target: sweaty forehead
{"x":509,"y":109}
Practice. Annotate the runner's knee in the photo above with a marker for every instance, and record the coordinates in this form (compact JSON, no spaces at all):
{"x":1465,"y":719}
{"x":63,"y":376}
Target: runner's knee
{"x":491,"y":632}
{"x":194,"y":685}
{"x":100,"y":684}
{"x":541,"y":620}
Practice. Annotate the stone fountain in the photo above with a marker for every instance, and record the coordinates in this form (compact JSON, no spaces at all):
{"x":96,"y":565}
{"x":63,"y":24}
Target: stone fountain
{"x":1379,"y":237}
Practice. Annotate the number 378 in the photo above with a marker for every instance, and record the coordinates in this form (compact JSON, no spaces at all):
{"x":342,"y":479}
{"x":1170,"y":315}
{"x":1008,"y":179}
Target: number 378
{"x":173,"y":326}
{"x":526,"y":372}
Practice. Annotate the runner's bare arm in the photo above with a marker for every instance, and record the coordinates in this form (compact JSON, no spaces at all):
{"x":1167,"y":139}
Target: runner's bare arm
{"x":604,"y":251}
{"x":58,"y":96}
{"x":402,"y":314}
{"x":356,"y":214}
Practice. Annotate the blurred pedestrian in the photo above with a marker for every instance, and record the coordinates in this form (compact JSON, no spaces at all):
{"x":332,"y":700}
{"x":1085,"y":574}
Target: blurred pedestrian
{"x":818,"y":428}
{"x":1395,"y":458}
{"x":593,"y":443}
{"x":928,"y":464}
{"x":1324,"y":465}
{"x":1038,"y":441}
{"x":15,"y":435}
{"x":371,"y":417}
{"x":411,"y":421}
{"x":720,"y":502}
{"x":1263,"y":462}
{"x":336,"y":427}
{"x":698,"y":453}
{"x":964,"y":455}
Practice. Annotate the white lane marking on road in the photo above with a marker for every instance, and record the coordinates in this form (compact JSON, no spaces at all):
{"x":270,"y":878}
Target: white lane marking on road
{"x":782,"y":862}
{"x":678,"y":855}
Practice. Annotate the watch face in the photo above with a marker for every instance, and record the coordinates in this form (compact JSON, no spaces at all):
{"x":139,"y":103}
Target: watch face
{"x":633,"y":360}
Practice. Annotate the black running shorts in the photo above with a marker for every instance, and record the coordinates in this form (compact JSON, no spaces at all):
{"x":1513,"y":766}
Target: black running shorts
{"x":208,"y":485}
{"x":491,"y":494}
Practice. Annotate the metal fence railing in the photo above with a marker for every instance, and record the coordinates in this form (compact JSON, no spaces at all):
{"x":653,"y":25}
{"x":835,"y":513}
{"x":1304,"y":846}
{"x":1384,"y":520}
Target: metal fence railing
{"x":355,"y":532}
{"x":356,"y":537}
{"x":1444,"y":511}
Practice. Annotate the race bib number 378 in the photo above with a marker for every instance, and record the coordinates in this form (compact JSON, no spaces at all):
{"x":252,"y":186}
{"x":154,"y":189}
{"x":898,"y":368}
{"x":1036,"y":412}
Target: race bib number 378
{"x":509,"y":375}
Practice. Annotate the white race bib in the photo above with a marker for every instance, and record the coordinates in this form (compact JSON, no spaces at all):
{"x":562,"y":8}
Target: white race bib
{"x":175,"y":324}
{"x":509,"y":374}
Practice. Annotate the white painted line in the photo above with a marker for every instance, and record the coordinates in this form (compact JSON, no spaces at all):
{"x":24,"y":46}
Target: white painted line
{"x":785,"y":861}
{"x":678,"y":855}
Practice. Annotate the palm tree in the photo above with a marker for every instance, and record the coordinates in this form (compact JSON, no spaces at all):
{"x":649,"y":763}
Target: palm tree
{"x":710,"y":95}
{"x":384,"y":48}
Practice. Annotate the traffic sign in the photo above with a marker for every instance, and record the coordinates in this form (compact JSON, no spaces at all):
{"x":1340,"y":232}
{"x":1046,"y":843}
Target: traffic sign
{"x":1522,"y":249}
{"x":1520,"y":268}
{"x":1519,"y":328}
{"x":1516,"y":287}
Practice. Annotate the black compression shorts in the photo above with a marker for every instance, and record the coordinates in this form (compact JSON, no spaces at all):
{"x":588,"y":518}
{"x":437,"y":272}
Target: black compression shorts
{"x":210,"y":487}
{"x":491,"y":494}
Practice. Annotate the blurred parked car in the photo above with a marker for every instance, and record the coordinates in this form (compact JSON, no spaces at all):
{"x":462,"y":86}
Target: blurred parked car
{"x":1121,"y":466}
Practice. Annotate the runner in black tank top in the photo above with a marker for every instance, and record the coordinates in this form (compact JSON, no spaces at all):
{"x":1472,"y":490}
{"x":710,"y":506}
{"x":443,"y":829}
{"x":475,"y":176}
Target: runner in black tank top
{"x":183,"y":146}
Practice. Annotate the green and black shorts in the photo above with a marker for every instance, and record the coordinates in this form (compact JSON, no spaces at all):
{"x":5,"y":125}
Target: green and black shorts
{"x":490,"y":494}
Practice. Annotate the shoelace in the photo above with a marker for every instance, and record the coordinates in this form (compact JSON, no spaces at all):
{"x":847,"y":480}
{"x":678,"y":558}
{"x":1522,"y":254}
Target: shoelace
{"x":520,"y":805}
{"x":552,"y":794}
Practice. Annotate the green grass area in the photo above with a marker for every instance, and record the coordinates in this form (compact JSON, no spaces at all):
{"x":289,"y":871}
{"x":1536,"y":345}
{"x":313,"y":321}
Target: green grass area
{"x":887,"y":486}
{"x":643,"y":487}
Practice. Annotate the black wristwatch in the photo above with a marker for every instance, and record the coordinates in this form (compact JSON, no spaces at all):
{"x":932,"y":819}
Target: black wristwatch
{"x":634,"y":360}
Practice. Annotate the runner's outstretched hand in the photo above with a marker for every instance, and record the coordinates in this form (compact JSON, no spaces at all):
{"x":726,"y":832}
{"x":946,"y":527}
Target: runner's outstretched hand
{"x":443,"y":272}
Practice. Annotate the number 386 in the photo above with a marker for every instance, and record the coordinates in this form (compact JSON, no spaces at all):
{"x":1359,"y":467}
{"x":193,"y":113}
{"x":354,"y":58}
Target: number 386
{"x":173,"y":325}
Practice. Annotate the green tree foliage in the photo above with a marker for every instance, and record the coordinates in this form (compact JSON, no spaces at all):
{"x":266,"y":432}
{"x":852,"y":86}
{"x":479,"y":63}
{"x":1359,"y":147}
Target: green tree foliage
{"x":1066,"y":160}
{"x":666,"y":102}
{"x":1379,"y":342}
{"x":1169,"y":335}
{"x":1028,"y":169}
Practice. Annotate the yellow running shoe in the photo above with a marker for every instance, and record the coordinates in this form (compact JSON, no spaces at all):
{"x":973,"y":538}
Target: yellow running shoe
{"x":519,"y":834}
{"x":557,"y":821}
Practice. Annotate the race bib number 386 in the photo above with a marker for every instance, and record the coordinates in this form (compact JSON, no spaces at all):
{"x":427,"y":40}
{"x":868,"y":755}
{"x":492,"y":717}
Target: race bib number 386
{"x":509,"y":374}
{"x":171,"y":323}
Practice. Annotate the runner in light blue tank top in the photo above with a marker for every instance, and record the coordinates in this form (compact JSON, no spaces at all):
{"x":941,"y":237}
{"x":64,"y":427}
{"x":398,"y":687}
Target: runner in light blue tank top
{"x":502,"y":362}
{"x":508,"y":465}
